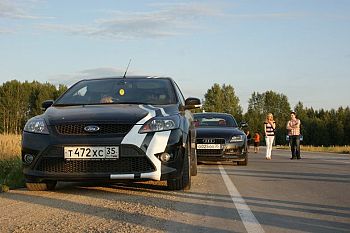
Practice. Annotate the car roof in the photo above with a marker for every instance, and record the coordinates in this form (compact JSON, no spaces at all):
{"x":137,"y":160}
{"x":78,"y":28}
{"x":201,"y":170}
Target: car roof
{"x":213,"y":113}
{"x":128,"y":77}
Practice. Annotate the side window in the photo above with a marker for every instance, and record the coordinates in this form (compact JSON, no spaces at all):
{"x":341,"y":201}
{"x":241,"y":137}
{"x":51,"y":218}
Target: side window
{"x":81,"y":92}
{"x":179,"y":94}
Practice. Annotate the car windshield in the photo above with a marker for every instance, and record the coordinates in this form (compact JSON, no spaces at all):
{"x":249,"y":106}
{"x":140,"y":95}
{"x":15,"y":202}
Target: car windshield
{"x":208,"y":120}
{"x":120,"y":91}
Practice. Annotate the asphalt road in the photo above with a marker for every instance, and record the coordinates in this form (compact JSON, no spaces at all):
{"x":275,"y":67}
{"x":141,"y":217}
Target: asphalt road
{"x":278,"y":195}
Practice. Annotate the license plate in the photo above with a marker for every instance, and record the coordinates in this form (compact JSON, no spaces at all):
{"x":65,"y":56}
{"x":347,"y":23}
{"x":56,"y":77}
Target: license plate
{"x":91,"y":152}
{"x":208,"y":146}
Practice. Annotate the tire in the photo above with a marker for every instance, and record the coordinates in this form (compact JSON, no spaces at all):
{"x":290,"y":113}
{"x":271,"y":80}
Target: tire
{"x":193,"y":163}
{"x":194,"y":166}
{"x":41,"y":186}
{"x":184,"y":181}
{"x":243,"y":163}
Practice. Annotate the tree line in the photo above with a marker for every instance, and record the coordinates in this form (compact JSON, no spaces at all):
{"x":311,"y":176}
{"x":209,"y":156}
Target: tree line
{"x":318,"y":127}
{"x":19,"y":101}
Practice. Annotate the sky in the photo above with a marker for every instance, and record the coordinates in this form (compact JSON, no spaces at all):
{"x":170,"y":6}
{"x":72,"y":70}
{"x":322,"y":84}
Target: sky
{"x":299,"y":48}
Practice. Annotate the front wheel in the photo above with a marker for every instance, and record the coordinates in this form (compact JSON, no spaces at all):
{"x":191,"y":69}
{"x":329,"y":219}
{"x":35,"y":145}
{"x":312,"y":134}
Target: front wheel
{"x":194,"y":164}
{"x":43,"y":186}
{"x":184,"y":181}
{"x":243,"y":163}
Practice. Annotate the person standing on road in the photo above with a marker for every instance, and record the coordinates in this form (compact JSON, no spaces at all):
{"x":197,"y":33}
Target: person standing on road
{"x":269,"y":128}
{"x":256,"y":142}
{"x":249,"y":138}
{"x":293,"y":127}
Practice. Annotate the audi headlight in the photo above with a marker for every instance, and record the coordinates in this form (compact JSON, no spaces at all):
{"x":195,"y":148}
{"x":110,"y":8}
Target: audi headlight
{"x":157,"y":124}
{"x":36,"y":125}
{"x":237,"y":138}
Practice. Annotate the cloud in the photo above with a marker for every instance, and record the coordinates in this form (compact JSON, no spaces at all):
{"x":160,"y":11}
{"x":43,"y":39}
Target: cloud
{"x":69,"y":79}
{"x":166,"y":20}
{"x":16,"y":9}
{"x":269,"y":16}
{"x":6,"y":31}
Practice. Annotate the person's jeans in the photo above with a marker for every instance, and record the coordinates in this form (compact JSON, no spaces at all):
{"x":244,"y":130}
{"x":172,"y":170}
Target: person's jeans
{"x":295,"y":145}
{"x":269,"y":143}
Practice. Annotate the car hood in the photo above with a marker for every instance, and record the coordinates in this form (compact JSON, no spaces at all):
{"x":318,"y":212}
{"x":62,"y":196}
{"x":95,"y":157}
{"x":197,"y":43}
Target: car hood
{"x":217,"y":132}
{"x":121,"y":113}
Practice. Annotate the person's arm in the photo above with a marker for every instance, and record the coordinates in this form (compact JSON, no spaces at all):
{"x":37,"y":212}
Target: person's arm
{"x":265,"y":128}
{"x":289,"y":125}
{"x":296,"y":125}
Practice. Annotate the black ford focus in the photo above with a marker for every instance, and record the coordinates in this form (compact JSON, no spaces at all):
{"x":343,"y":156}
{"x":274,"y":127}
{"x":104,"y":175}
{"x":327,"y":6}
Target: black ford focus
{"x":219,"y":138}
{"x":134,"y":128}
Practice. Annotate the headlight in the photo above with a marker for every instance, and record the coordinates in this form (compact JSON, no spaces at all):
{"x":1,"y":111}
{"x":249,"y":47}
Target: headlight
{"x":237,"y":138}
{"x":36,"y":125}
{"x":157,"y":124}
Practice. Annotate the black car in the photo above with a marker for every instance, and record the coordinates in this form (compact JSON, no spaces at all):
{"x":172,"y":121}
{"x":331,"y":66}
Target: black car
{"x":219,"y":138}
{"x":112,"y":129}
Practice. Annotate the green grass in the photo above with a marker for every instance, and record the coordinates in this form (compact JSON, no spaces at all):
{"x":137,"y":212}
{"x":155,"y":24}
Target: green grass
{"x":11,"y":175}
{"x":331,"y":149}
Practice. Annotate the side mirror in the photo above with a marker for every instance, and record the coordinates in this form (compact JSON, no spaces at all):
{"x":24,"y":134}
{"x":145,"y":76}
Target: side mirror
{"x":192,"y":103}
{"x":46,"y":104}
{"x":244,"y":124}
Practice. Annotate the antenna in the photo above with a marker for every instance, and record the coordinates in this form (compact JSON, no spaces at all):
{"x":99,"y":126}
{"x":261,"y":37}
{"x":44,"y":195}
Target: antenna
{"x":127,"y":69}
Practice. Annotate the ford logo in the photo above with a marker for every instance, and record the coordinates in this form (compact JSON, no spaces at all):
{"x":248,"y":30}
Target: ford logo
{"x":91,"y":128}
{"x":208,"y":140}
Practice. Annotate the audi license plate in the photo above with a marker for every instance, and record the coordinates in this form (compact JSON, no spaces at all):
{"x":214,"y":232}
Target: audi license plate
{"x":91,"y":152}
{"x":208,"y":146}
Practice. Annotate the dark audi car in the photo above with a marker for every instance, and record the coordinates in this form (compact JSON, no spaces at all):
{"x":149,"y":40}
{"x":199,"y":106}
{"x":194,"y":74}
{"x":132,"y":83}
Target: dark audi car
{"x":219,"y":138}
{"x":108,"y":129}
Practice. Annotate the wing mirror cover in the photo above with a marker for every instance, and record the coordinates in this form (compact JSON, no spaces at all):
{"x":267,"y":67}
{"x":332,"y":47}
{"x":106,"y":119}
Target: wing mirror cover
{"x":192,"y":103}
{"x":46,"y":104}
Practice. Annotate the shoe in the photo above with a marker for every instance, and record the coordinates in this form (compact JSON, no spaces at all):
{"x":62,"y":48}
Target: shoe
{"x":298,"y":158}
{"x":292,"y":158}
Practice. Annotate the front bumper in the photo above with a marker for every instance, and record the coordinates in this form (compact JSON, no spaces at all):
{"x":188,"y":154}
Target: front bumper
{"x":135,"y":162}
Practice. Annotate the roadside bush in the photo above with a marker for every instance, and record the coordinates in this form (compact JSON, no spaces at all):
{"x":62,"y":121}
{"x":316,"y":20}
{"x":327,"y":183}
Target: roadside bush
{"x":11,"y":175}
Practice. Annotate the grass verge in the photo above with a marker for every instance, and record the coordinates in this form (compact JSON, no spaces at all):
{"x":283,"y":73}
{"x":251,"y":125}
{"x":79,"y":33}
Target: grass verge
{"x":11,"y":175}
{"x":330,"y":149}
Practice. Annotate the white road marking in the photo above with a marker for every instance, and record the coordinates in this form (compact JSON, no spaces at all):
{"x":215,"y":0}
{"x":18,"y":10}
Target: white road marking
{"x":251,"y":224}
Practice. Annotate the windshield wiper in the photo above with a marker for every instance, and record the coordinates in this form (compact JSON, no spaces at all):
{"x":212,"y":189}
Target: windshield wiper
{"x":131,"y":102}
{"x":68,"y":104}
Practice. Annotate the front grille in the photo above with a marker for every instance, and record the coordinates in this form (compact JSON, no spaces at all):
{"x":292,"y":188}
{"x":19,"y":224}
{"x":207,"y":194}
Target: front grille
{"x":212,"y":152}
{"x":132,"y":160}
{"x":216,"y":141}
{"x":121,"y":165}
{"x":209,"y":151}
{"x":233,"y":151}
{"x":78,"y":129}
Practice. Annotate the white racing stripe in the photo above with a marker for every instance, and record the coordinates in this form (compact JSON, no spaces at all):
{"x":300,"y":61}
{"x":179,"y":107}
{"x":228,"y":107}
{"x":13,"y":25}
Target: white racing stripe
{"x":251,"y":224}
{"x":161,"y":110}
{"x":134,"y":137}
{"x":157,"y":145}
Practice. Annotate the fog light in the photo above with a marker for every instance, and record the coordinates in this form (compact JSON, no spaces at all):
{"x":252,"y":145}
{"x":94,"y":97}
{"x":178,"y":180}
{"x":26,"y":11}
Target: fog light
{"x":28,"y":158}
{"x":164,"y":157}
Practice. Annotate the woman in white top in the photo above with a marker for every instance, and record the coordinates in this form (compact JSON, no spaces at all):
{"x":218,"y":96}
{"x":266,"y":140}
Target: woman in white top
{"x":269,"y":128}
